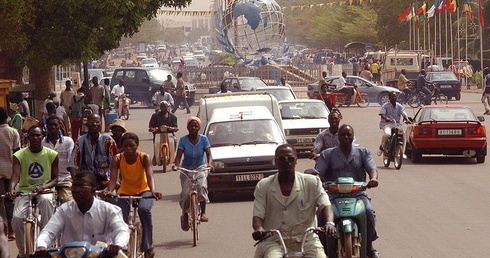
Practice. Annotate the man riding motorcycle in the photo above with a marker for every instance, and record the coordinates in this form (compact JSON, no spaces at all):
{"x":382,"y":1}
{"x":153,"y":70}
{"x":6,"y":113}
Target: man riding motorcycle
{"x":390,"y":118}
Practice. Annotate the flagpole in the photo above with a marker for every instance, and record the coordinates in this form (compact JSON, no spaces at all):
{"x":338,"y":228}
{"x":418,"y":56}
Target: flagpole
{"x":481,"y":48}
{"x":451,"y":23}
{"x":435,"y":35}
{"x":445,"y":19}
{"x":459,"y":39}
{"x":410,"y":35}
{"x":440,"y":33}
{"x":466,"y":39}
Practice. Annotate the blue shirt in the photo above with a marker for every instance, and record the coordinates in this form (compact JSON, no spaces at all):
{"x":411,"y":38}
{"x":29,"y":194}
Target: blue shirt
{"x":393,"y":112}
{"x":420,"y":81}
{"x":194,"y":154}
{"x":332,"y":164}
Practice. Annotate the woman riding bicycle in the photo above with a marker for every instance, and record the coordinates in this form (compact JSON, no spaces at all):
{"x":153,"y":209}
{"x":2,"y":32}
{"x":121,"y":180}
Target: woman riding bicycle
{"x":193,"y":146}
{"x":136,"y":173}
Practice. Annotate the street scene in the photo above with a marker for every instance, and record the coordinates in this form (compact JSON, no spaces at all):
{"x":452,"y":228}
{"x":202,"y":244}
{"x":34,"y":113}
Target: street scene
{"x":245,"y":128}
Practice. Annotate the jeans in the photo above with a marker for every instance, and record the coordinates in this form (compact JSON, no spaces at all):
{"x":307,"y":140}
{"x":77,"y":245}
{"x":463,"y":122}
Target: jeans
{"x":179,"y":99}
{"x":144,"y":212}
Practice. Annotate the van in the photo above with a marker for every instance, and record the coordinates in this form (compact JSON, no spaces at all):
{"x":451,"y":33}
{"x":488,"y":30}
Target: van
{"x":244,"y":131}
{"x":142,"y":82}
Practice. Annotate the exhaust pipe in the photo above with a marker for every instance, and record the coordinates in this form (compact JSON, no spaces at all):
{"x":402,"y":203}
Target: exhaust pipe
{"x":469,"y":153}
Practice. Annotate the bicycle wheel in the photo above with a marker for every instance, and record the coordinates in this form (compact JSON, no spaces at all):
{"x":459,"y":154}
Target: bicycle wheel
{"x":29,"y":237}
{"x":134,"y":240}
{"x":398,"y":159}
{"x":164,"y":159}
{"x":413,"y":100}
{"x":363,"y":101}
{"x":126,"y":113}
{"x":440,"y":99}
{"x":194,"y":217}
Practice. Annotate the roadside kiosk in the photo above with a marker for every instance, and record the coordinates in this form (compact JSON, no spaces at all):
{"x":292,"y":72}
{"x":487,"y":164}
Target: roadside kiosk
{"x":5,"y":85}
{"x":28,"y":90}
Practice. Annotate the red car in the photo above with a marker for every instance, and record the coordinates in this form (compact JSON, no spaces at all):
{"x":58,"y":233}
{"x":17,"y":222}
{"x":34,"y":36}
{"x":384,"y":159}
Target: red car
{"x":446,"y":130}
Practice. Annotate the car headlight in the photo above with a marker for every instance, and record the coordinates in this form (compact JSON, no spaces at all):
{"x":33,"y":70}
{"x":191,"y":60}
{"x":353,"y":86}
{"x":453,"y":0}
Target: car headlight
{"x":218,"y":164}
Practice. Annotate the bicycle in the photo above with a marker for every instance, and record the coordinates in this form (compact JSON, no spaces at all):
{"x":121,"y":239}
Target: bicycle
{"x":135,"y":228}
{"x":394,"y":150}
{"x":164,"y":146}
{"x":261,"y":236}
{"x":32,"y":222}
{"x":195,"y":206}
{"x":360,"y":99}
{"x":417,"y":98}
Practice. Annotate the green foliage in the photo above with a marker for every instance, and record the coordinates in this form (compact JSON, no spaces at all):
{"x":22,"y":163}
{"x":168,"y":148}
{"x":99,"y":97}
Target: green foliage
{"x":51,"y":32}
{"x":227,"y":59}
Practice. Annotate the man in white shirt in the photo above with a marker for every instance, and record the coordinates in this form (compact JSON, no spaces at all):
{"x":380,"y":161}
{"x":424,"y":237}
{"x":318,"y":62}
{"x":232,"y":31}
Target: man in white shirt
{"x":162,"y":95}
{"x":64,"y":146}
{"x":86,"y":218}
{"x":341,"y":87}
{"x":117,"y":91}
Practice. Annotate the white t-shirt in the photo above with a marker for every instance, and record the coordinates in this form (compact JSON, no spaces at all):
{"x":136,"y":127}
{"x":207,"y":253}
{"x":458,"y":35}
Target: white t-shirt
{"x":117,"y":90}
{"x":342,"y":83}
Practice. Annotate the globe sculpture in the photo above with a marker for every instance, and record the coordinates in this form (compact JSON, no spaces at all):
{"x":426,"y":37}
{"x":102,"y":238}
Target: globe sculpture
{"x":249,"y":26}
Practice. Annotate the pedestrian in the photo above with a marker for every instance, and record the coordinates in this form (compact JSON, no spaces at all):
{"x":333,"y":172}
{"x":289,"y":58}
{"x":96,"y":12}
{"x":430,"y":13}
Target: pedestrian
{"x":366,"y":74}
{"x":180,"y":94}
{"x":478,"y":77}
{"x":97,"y":94}
{"x":64,"y":146}
{"x":289,"y":200}
{"x":106,"y":103}
{"x":66,"y":98}
{"x":485,"y":98}
{"x":79,"y":101}
{"x":10,"y":142}
{"x":375,"y":70}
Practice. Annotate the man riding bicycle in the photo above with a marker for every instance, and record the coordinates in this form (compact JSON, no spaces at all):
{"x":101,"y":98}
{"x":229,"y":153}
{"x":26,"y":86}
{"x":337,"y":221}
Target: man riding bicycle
{"x":390,"y":118}
{"x":421,"y":86}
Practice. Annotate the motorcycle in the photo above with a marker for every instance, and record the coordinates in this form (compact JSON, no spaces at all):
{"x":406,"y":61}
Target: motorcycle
{"x":80,"y":249}
{"x":123,"y":106}
{"x":165,"y":146}
{"x":350,"y":219}
{"x":394,"y":150}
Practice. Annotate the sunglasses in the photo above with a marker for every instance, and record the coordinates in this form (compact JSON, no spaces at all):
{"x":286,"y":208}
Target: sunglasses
{"x":286,"y":158}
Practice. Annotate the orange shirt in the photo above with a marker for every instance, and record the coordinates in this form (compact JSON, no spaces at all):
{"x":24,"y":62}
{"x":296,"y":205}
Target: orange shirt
{"x":133,"y":176}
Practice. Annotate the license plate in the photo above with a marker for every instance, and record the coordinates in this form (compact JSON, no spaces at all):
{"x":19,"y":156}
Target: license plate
{"x":251,"y":177}
{"x":446,"y":86}
{"x":304,"y":140}
{"x":450,"y":131}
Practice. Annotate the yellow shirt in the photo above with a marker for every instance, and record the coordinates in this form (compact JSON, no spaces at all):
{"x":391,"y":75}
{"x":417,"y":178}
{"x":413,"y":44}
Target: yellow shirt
{"x":374,"y":68}
{"x":133,"y":176}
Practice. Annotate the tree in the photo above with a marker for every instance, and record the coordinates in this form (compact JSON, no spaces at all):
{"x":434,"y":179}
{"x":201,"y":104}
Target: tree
{"x":50,"y":32}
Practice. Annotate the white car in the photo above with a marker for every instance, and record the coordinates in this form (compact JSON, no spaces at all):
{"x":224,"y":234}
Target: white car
{"x":199,"y":54}
{"x":303,"y":120}
{"x":280,"y":92}
{"x":191,"y":61}
{"x":149,"y":62}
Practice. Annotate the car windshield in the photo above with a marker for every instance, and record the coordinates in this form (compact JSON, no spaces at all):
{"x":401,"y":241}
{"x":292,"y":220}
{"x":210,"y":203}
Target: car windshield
{"x":149,"y":61}
{"x":448,"y":114}
{"x":248,"y":84}
{"x":279,"y":94}
{"x":159,"y":74}
{"x":303,"y":110}
{"x":244,"y":132}
{"x":442,"y":77}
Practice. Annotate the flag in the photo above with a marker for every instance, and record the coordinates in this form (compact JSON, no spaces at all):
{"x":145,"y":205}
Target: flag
{"x":422,"y":9}
{"x":441,"y":5}
{"x":431,"y":11}
{"x":467,"y":9}
{"x":480,"y":14}
{"x":411,"y":14}
{"x":404,"y":15}
{"x":453,"y":6}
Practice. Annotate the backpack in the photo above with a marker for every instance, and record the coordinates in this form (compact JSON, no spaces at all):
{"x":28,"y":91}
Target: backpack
{"x":77,"y":108}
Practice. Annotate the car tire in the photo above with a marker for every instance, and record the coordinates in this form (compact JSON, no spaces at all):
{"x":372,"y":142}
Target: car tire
{"x":383,"y":98}
{"x":458,"y":96}
{"x":480,"y":159}
{"x":416,"y":156}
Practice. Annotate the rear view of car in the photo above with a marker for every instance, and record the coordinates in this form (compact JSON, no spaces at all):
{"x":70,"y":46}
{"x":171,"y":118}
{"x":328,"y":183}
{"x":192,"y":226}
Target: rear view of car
{"x":447,"y":83}
{"x":447,"y":130}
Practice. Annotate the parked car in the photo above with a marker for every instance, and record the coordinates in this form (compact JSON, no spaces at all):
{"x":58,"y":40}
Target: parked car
{"x":375,"y":92}
{"x":149,"y":62}
{"x":447,"y":82}
{"x":279,"y":92}
{"x":142,"y":82}
{"x":447,"y":130}
{"x":303,"y":120}
{"x":236,"y":84}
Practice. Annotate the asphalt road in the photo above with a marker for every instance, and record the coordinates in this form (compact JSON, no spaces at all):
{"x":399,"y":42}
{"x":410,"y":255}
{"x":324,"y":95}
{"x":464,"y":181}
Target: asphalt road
{"x":437,"y":208}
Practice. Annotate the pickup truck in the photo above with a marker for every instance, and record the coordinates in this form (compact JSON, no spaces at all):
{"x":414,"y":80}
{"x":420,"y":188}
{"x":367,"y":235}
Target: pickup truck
{"x":395,"y":61}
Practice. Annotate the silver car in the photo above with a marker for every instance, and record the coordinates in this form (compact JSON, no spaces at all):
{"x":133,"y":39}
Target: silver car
{"x":375,"y":92}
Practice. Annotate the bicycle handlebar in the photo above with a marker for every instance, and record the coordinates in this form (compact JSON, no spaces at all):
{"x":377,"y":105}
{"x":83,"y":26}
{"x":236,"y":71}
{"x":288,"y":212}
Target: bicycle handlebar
{"x":260,"y":236}
{"x":29,"y":194}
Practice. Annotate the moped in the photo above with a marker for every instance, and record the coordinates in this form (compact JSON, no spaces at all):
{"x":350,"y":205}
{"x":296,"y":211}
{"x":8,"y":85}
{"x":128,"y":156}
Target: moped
{"x":123,"y":106}
{"x":350,"y":219}
{"x":165,"y":146}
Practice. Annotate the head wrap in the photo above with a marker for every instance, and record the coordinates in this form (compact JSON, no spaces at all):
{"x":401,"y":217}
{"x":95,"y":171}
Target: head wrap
{"x":194,"y":118}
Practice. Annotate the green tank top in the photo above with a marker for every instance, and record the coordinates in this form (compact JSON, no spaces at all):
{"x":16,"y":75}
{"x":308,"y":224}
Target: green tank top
{"x":35,"y":168}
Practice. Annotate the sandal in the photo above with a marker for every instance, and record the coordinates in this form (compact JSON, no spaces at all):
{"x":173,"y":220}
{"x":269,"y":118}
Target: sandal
{"x":184,"y":222}
{"x":204,"y":218}
{"x":150,"y":253}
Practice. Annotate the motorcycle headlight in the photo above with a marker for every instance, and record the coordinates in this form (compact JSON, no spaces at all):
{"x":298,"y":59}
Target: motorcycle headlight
{"x":345,"y":188}
{"x":94,"y":254}
{"x":218,"y":164}
{"x":74,"y":251}
{"x":56,"y":255}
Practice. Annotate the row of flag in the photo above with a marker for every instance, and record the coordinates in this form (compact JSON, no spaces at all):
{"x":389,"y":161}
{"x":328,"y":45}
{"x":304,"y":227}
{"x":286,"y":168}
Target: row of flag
{"x":421,"y":13}
{"x":330,"y":4}
{"x":186,"y":13}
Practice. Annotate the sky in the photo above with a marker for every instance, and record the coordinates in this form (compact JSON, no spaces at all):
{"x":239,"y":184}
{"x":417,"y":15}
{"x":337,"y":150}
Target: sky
{"x":199,"y":5}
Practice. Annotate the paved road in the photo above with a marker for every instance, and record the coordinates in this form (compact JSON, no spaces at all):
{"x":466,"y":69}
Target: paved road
{"x":433,"y":209}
